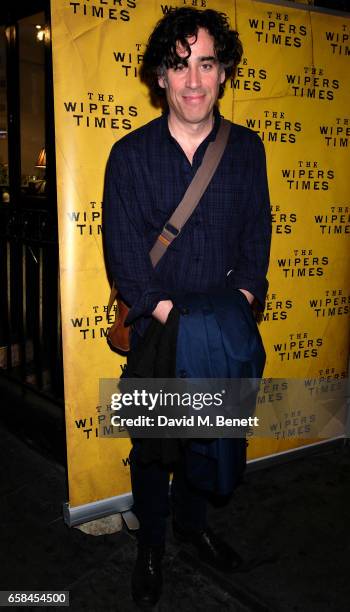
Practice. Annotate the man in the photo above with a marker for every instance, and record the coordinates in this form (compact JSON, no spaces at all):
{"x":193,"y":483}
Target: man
{"x":224,"y":244}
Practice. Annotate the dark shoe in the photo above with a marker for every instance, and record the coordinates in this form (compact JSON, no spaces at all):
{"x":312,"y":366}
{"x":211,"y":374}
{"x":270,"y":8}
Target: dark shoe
{"x":210,"y":548}
{"x":146,"y":581}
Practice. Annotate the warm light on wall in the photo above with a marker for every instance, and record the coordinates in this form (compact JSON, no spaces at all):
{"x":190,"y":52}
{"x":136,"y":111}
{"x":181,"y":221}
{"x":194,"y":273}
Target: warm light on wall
{"x":41,"y":161}
{"x":40,"y":35}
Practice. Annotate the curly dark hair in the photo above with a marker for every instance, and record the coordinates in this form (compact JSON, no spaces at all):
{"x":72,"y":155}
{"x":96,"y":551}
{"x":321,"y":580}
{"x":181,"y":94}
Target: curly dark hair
{"x":176,"y":27}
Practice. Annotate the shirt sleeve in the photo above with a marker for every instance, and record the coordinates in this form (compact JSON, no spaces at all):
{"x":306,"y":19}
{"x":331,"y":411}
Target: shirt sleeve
{"x":255,"y":238}
{"x":126,"y":245}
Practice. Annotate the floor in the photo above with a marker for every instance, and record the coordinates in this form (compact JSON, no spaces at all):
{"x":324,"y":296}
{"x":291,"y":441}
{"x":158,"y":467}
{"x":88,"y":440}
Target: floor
{"x":290,"y":523}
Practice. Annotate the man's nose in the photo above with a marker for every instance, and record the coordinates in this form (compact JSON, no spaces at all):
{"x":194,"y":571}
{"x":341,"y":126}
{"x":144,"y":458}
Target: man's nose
{"x":193,"y":77}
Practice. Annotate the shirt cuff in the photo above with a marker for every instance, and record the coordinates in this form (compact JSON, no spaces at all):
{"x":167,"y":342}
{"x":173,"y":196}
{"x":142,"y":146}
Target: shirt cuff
{"x":145,"y":305}
{"x":257,"y":287}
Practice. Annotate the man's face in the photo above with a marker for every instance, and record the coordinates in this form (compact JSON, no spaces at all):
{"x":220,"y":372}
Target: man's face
{"x":192,"y":88}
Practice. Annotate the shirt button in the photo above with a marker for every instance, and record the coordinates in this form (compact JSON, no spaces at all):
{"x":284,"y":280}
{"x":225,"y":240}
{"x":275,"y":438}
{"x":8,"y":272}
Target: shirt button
{"x":183,"y":374}
{"x":185,"y":311}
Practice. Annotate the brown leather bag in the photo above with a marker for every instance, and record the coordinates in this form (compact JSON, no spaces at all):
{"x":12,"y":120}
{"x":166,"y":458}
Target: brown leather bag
{"x":119,"y":334}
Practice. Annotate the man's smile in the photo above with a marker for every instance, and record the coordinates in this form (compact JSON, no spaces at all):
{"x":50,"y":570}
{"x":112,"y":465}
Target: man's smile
{"x":194,"y":98}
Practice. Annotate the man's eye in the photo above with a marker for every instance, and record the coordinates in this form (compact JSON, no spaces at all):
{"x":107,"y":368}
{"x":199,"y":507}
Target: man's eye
{"x":207,"y":67}
{"x":179,"y":67}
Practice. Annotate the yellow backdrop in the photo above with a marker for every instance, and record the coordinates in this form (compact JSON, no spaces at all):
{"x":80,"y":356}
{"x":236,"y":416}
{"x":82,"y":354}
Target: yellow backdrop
{"x":291,"y":89}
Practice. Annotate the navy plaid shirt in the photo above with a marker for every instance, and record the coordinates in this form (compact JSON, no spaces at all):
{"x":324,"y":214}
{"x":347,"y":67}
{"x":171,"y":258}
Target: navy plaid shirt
{"x":226,"y":241}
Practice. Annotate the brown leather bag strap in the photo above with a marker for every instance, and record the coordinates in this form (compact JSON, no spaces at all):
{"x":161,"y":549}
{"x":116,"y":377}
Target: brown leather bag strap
{"x":112,"y":297}
{"x":194,"y":192}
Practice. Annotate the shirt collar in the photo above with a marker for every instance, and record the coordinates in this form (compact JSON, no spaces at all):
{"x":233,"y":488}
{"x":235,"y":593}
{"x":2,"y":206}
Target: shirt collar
{"x":211,"y":136}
